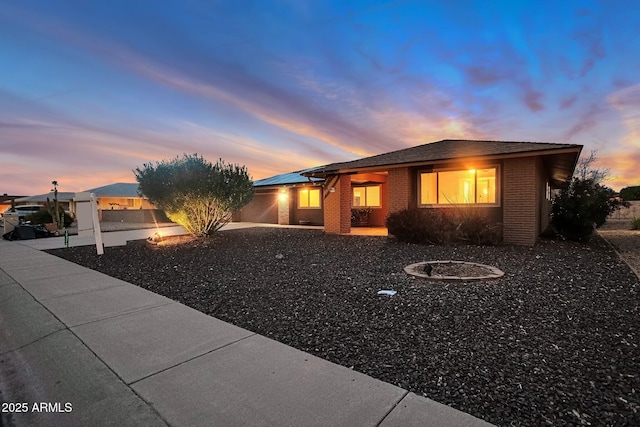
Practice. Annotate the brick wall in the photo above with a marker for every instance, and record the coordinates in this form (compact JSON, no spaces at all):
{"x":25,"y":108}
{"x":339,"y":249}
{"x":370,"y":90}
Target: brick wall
{"x":399,"y":187}
{"x":520,"y":196}
{"x":337,"y":206}
{"x":284,"y":198}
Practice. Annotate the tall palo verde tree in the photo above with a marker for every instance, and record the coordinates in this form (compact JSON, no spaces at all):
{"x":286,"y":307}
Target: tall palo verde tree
{"x":195,"y":193}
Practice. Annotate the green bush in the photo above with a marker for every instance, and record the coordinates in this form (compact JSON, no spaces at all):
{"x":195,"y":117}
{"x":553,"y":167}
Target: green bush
{"x":635,"y":223}
{"x":439,"y":226}
{"x":427,"y":226}
{"x":630,"y":193}
{"x":44,"y":217}
{"x":197,"y":194}
{"x":477,"y":229}
{"x":581,"y":206}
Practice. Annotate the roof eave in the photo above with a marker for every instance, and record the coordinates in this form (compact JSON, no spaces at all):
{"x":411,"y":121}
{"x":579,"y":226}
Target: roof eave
{"x":322,"y":173}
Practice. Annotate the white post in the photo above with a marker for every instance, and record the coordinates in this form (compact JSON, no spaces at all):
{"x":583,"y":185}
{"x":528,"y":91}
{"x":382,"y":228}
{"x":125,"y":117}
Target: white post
{"x":87,"y":217}
{"x":96,"y":224}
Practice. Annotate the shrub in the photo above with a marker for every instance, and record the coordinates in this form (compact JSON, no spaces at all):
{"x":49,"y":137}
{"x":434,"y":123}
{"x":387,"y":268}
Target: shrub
{"x":635,"y":223}
{"x":630,"y":193}
{"x":43,"y":216}
{"x":430,"y":226}
{"x":477,"y":229}
{"x":438,"y":226}
{"x":581,"y":206}
{"x":196,"y":194}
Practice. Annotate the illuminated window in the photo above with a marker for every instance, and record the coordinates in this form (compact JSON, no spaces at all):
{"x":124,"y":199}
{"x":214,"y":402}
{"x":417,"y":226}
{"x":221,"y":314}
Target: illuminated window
{"x":309,"y":198}
{"x":366,"y":196}
{"x":472,"y":186}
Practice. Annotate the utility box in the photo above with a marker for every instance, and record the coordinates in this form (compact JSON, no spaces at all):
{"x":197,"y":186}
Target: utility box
{"x":10,"y":221}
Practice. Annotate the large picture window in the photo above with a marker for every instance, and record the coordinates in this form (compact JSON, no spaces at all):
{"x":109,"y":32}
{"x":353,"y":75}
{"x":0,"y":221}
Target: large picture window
{"x":472,"y":186}
{"x":368,"y":196}
{"x":309,"y":198}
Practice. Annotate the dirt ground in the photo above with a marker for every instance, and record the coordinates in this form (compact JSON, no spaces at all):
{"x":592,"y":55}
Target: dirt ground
{"x":626,"y":241}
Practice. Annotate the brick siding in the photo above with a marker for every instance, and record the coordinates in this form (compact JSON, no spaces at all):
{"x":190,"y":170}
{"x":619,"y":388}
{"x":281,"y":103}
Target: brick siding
{"x":337,"y":207}
{"x":399,"y":187}
{"x":520,"y":201}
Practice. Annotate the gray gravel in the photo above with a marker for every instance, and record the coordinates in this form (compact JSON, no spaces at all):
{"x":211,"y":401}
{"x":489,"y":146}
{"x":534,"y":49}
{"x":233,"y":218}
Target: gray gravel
{"x":555,"y":341}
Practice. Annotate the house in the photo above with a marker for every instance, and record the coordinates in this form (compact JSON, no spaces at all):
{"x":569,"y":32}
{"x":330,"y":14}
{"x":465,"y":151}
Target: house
{"x":120,"y":196}
{"x":510,"y":182}
{"x":6,"y":200}
{"x":288,"y":198}
{"x":120,"y":202}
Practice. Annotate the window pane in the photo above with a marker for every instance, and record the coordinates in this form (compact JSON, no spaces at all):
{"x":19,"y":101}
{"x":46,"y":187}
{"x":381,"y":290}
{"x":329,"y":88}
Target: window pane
{"x":428,"y":189}
{"x":373,"y":196}
{"x":456,"y":187}
{"x":486,"y":185}
{"x":314,"y":198}
{"x":303,"y":198}
{"x":358,"y":196}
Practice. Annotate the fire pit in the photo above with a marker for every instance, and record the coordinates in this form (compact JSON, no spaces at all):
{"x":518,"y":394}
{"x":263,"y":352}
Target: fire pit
{"x":453,"y":271}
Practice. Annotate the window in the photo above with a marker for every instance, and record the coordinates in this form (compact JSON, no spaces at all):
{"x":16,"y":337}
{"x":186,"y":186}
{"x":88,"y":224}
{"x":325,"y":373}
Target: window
{"x":366,"y":196}
{"x":309,"y":198}
{"x":472,"y":186}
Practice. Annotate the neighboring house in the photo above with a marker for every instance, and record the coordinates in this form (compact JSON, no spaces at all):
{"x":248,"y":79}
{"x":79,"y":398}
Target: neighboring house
{"x":120,"y":202}
{"x":120,"y":196}
{"x":288,"y":198}
{"x":5,"y":201}
{"x":510,"y":182}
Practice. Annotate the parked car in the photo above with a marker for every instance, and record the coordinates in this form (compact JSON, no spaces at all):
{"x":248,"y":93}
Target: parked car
{"x":24,"y":210}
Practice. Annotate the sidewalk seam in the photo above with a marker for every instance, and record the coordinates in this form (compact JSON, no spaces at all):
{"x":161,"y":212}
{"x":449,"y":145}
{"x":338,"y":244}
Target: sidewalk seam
{"x":121,"y":314}
{"x":66,"y":328}
{"x":189,"y":360}
{"x":395,"y":405}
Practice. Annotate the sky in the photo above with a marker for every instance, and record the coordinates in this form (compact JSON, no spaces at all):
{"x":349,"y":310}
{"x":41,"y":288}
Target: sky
{"x":90,"y":90}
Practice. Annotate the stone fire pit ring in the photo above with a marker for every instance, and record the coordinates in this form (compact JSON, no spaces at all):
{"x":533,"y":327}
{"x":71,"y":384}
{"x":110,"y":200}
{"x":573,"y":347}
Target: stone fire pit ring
{"x":470,"y":271}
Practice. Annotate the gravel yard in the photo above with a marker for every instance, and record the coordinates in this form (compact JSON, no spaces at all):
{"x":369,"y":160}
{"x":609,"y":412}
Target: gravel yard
{"x":555,"y":341}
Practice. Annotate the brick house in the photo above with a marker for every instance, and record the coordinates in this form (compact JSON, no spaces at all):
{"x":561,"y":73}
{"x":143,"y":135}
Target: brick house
{"x":288,"y":198}
{"x":510,"y":182}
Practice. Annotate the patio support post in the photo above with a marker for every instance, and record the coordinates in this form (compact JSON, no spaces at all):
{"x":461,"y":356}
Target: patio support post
{"x":337,"y":206}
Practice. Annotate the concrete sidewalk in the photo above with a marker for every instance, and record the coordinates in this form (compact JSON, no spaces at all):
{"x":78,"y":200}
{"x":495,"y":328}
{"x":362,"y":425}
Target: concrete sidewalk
{"x":81,"y":348}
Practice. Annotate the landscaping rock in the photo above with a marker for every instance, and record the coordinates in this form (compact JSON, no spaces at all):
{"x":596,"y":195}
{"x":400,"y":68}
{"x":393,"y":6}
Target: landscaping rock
{"x":554,"y":341}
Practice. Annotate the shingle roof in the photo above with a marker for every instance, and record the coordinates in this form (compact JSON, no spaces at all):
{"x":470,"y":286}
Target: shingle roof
{"x":119,"y":189}
{"x":443,"y":150}
{"x":286,"y":178}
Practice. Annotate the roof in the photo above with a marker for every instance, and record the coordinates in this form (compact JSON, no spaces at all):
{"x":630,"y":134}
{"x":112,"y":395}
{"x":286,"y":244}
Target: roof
{"x":63,"y":196}
{"x":560,"y":159}
{"x":444,"y":150}
{"x":287,"y":179}
{"x":119,"y":189}
{"x":5,"y":198}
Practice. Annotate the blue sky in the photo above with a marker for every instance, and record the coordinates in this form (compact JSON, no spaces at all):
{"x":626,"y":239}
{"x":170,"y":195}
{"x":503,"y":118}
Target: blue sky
{"x":89,"y":90}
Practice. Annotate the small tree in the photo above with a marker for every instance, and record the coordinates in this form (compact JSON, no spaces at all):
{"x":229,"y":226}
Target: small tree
{"x":195,"y":193}
{"x":585,"y":169}
{"x":581,"y":206}
{"x":630,"y":193}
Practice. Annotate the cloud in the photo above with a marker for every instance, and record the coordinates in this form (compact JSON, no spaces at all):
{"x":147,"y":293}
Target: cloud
{"x":627,"y":102}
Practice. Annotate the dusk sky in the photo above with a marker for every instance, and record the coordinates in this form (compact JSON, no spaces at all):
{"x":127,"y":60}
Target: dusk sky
{"x":89,"y":90}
